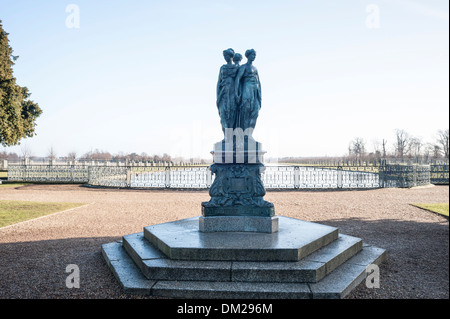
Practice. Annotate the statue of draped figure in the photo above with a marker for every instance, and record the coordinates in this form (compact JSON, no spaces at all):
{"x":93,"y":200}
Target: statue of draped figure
{"x":238,"y":91}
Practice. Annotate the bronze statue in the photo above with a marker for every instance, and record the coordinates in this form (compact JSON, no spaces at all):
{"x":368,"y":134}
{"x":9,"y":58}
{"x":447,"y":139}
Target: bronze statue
{"x":238,"y":91}
{"x":248,"y":92}
{"x":226,"y":101}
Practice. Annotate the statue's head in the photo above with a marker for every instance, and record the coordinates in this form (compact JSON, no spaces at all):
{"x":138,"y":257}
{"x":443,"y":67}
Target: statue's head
{"x":250,"y":54}
{"x":228,"y":54}
{"x":237,"y":58}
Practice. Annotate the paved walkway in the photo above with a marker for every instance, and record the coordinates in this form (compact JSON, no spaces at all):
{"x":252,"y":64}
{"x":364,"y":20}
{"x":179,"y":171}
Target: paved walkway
{"x":34,"y":254}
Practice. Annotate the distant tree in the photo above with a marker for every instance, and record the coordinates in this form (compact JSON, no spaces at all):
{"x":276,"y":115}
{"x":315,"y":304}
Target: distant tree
{"x":384,"y":143}
{"x":166,"y":158}
{"x":415,"y":147}
{"x":18,"y":114}
{"x":144,"y":156}
{"x":51,"y":154}
{"x":11,"y":156}
{"x":436,"y":151}
{"x":401,"y":145}
{"x":120,"y":156}
{"x":26,"y":151}
{"x":97,"y":155}
{"x":133,"y":157}
{"x":72,"y":156}
{"x":377,"y":155}
{"x":88,"y":155}
{"x":442,"y":142}
{"x":358,"y":148}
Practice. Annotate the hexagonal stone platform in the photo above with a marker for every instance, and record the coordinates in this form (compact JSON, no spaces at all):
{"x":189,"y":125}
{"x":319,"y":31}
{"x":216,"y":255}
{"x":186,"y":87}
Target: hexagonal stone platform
{"x":295,"y":239}
{"x":302,"y":260}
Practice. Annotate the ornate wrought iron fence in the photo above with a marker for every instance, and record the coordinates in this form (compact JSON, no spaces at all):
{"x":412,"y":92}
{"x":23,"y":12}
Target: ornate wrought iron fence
{"x":273,"y":176}
{"x":171,"y":177}
{"x":404,"y":175}
{"x":307,"y":177}
{"x":439,"y":174}
{"x":48,"y":173}
{"x":109,"y":176}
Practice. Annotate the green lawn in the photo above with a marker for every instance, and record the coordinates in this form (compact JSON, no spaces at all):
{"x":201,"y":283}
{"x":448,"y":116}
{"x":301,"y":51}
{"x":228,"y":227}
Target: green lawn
{"x":441,"y":208}
{"x":12,"y":212}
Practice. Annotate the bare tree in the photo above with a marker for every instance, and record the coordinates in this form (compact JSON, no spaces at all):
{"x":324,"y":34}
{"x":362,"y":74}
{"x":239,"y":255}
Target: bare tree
{"x":415,"y":146}
{"x":144,"y":156}
{"x":358,"y":148}
{"x":376,"y":146}
{"x":436,"y":151}
{"x":97,"y":155}
{"x":51,"y":154}
{"x":72,"y":156}
{"x":384,"y":143}
{"x":401,"y":146}
{"x":377,"y":151}
{"x":442,"y":141}
{"x":166,"y":158}
{"x":3,"y":155}
{"x":26,"y":152}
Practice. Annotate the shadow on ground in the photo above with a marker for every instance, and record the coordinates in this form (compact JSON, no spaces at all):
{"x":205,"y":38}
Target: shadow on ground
{"x":38,"y":269}
{"x":416,"y":267}
{"x":417,"y":263}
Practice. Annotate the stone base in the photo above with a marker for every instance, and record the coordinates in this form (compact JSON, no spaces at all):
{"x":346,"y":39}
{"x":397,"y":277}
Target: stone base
{"x":238,"y":224}
{"x":242,"y":152}
{"x":237,"y":190}
{"x":235,"y":211}
{"x":301,"y":260}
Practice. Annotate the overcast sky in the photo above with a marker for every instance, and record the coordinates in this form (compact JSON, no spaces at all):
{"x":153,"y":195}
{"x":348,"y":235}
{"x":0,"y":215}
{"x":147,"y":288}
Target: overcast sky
{"x":140,"y":76}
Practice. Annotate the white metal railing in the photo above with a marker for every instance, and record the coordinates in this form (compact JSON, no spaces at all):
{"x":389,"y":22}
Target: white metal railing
{"x":200,"y":177}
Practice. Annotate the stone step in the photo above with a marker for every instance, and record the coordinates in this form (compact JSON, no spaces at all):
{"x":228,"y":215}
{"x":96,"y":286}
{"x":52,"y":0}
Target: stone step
{"x":308,"y":270}
{"x":337,"y":284}
{"x":346,"y":277}
{"x":295,"y":239}
{"x":155,"y":265}
{"x":129,"y":276}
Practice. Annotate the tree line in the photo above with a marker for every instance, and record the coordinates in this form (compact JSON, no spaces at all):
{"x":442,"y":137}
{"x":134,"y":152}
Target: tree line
{"x":95,"y":155}
{"x":405,"y":147}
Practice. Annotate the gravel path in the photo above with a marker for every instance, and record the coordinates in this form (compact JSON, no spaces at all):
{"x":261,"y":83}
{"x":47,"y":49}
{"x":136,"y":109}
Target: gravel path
{"x":34,"y":254}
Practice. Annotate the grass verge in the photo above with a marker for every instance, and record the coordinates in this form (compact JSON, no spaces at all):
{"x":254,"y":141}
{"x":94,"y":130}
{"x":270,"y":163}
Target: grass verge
{"x":13,"y":184}
{"x":12,"y":212}
{"x":440,"y":208}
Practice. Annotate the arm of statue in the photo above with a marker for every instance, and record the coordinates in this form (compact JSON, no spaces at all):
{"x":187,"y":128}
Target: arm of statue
{"x":237,"y":82}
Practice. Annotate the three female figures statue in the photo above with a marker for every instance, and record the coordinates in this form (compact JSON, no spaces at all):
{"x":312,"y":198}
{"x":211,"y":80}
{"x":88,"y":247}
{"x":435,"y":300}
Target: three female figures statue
{"x":238,"y":92}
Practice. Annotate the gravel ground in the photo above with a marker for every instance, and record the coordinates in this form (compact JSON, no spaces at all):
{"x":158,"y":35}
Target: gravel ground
{"x":34,"y":254}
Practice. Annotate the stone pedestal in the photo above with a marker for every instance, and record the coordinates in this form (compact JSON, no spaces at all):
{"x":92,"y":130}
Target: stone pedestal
{"x":301,"y":260}
{"x":238,"y":248}
{"x":238,"y":151}
{"x":238,"y":224}
{"x":237,"y":192}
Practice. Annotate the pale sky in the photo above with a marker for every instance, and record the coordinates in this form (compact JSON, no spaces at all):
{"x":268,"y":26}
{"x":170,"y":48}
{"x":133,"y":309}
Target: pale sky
{"x":140,"y":76}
